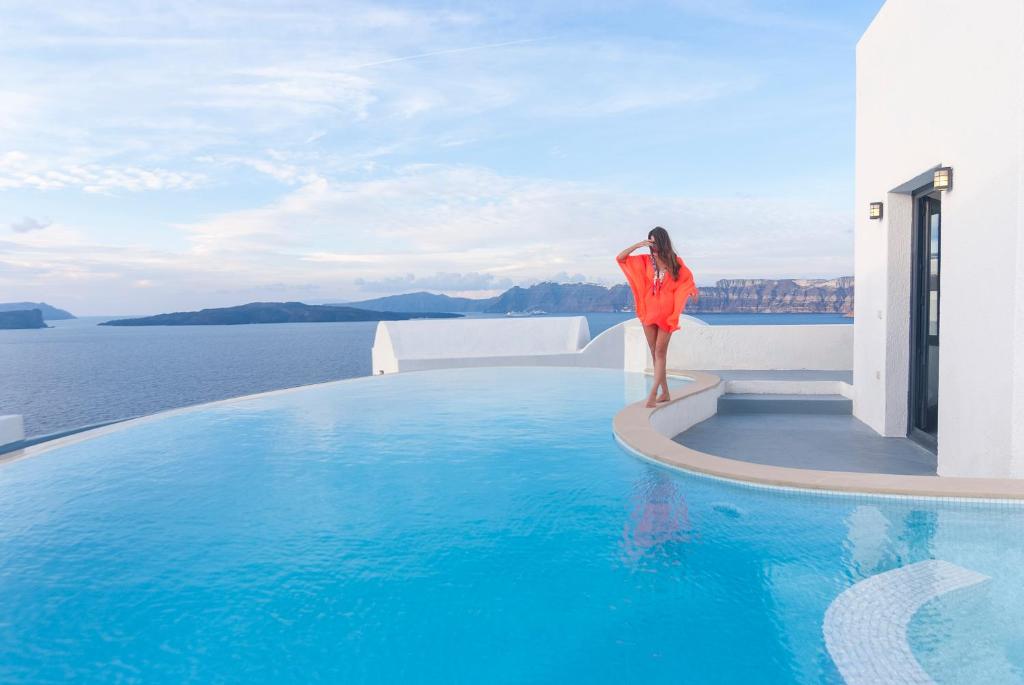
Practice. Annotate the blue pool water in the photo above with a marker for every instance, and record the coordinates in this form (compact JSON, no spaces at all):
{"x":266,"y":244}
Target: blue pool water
{"x":477,"y":525}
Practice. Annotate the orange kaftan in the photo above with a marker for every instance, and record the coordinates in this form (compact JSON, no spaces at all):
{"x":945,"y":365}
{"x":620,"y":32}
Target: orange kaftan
{"x":658,"y":303}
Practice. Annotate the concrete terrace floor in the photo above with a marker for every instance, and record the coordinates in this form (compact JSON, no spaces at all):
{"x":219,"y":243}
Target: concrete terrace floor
{"x":809,"y":441}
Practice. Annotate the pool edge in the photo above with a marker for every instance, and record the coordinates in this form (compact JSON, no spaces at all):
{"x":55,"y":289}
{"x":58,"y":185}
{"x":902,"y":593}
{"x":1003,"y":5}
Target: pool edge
{"x":90,"y":432}
{"x":76,"y":435}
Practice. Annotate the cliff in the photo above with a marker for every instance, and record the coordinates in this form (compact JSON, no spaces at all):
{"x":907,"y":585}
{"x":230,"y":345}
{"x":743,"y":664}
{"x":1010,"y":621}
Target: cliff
{"x":832,"y":296}
{"x":821,"y":296}
{"x":558,"y":297}
{"x":25,"y":318}
{"x":273,"y":312}
{"x":49,"y":313}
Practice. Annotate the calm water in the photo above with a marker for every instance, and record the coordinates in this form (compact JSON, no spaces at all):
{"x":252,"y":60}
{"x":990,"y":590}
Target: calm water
{"x":78,"y":373}
{"x":424,"y":528}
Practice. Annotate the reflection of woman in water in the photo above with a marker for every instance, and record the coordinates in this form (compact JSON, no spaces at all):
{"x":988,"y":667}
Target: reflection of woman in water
{"x":659,"y":517}
{"x":661,"y":286}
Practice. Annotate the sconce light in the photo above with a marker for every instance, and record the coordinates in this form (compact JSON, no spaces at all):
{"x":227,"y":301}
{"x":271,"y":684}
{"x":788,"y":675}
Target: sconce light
{"x":942,"y":179}
{"x":875,"y":212}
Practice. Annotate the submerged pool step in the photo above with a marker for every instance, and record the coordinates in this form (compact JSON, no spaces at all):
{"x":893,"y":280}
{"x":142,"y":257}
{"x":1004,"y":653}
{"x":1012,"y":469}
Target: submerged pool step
{"x":749,"y":403}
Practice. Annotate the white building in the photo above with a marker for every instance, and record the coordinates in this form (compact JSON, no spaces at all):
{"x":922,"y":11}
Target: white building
{"x":940,"y":83}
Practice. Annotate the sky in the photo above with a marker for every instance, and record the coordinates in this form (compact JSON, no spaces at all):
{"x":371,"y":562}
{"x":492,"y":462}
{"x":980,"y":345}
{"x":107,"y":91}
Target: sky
{"x":172,"y":156}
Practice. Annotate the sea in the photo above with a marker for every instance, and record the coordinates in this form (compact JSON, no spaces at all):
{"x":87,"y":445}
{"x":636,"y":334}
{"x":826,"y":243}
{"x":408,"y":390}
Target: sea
{"x":78,"y":373}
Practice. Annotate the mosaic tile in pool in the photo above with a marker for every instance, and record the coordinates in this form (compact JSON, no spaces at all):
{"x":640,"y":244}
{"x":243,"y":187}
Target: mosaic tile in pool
{"x":477,"y":525}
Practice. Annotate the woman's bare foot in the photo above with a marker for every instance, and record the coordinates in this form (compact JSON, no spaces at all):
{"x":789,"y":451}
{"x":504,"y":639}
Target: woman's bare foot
{"x":651,"y":404}
{"x":664,"y":397}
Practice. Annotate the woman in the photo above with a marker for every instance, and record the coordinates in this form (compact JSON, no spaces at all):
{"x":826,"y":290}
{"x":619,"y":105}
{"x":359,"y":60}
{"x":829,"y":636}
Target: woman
{"x":661,"y":286}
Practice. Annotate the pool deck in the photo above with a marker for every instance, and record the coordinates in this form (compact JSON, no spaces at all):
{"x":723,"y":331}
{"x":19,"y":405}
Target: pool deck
{"x":802,"y":436}
{"x":808,"y":441}
{"x":814,"y":452}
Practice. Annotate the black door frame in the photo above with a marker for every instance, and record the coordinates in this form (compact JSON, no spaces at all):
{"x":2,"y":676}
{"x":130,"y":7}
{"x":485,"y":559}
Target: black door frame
{"x":919,"y":334}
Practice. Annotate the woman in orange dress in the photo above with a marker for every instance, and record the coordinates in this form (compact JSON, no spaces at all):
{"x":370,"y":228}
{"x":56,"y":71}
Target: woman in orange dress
{"x":661,"y":286}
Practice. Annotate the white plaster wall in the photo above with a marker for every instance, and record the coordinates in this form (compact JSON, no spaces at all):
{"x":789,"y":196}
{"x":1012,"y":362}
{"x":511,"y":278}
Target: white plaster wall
{"x":1017,"y":438}
{"x":447,"y":343}
{"x":637,"y":356}
{"x":939,"y":82}
{"x":607,"y":350}
{"x":788,"y":387}
{"x":12,"y":429}
{"x":382,"y":355}
{"x":698,"y":346}
{"x":672,"y":419}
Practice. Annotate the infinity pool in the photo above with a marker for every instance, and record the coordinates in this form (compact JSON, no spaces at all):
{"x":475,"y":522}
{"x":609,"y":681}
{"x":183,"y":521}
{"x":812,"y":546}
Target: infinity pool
{"x":477,"y":525}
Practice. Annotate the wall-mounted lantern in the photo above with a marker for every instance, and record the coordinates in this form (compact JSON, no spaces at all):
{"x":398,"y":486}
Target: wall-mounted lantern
{"x":942,"y":179}
{"x":875,"y":211}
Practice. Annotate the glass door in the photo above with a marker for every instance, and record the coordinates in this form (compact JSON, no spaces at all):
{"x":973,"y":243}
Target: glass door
{"x":924,"y":357}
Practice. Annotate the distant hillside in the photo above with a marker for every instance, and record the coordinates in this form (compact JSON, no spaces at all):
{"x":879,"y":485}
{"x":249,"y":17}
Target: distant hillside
{"x":423,"y":302}
{"x":273,"y":312}
{"x":22,"y":318}
{"x":558,"y":297}
{"x":826,"y":296}
{"x":49,"y":313}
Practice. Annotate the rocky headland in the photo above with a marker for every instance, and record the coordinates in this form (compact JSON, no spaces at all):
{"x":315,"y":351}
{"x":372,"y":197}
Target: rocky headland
{"x":49,"y":312}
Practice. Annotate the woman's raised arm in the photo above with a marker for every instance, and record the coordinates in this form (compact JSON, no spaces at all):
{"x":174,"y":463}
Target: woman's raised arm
{"x":629,"y":250}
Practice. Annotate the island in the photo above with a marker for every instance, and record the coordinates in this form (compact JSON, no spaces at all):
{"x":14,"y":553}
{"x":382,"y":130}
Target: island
{"x":274,"y":312}
{"x":50,"y":313}
{"x":22,"y":319}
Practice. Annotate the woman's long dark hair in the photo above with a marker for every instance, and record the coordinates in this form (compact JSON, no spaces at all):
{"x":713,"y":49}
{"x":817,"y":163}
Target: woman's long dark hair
{"x":664,"y":246}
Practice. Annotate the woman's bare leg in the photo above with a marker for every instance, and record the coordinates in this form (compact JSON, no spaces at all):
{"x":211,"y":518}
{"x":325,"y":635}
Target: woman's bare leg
{"x":651,"y":331}
{"x":660,"y":354}
{"x":664,"y":396}
{"x":661,"y":371}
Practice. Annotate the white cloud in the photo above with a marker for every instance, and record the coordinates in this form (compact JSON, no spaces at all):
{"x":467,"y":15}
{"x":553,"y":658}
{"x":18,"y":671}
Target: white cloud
{"x":28,"y":224}
{"x":445,"y":282}
{"x":565,"y":277}
{"x":273,"y":165}
{"x":159,"y":86}
{"x":20,"y":170}
{"x":336,"y":148}
{"x":454,"y":229}
{"x":465,"y":220}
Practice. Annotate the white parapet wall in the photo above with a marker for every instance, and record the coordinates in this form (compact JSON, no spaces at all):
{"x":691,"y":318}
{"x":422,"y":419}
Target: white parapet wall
{"x":424,"y":344}
{"x":696,"y":345}
{"x":12,"y":429}
{"x":565,"y":341}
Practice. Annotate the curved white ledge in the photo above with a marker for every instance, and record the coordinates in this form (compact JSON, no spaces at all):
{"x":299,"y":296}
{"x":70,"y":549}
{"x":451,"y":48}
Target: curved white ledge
{"x":649,"y":433}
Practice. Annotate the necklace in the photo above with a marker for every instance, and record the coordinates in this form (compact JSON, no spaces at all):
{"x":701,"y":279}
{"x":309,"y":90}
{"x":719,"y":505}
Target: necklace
{"x":659,"y":276}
